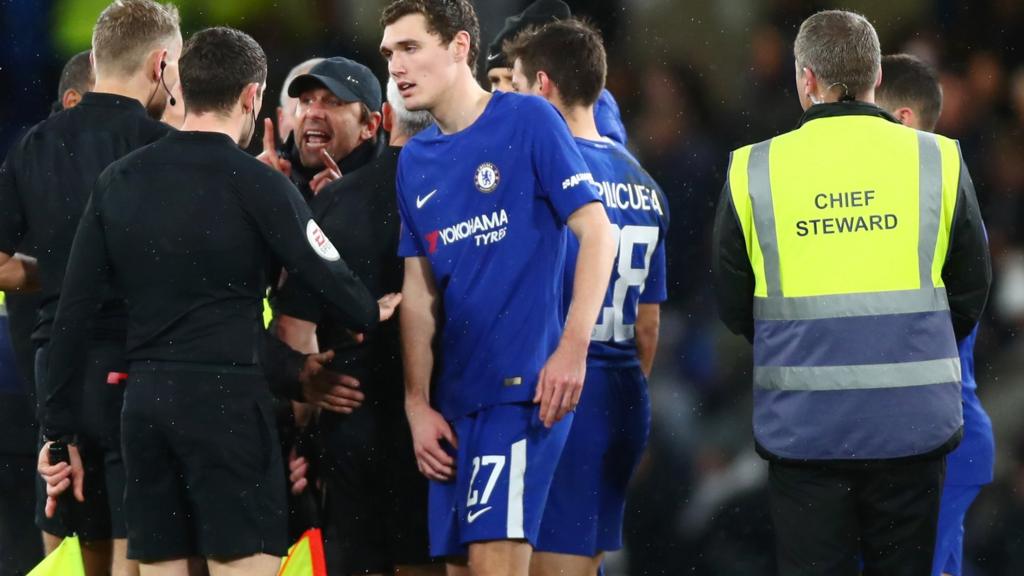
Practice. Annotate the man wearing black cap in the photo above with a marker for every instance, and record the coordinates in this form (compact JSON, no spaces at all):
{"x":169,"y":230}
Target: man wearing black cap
{"x":376,"y":498}
{"x":336,"y":123}
{"x":499,"y":69}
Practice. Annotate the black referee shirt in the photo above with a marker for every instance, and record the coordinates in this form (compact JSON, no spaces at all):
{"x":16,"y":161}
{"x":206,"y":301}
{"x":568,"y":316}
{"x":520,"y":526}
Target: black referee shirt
{"x":189,"y":229}
{"x":359,"y":213}
{"x":46,"y":180}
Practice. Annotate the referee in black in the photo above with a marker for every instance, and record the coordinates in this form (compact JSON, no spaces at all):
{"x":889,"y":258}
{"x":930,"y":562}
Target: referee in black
{"x":45,"y":182}
{"x":188,"y":229}
{"x":376,"y":497}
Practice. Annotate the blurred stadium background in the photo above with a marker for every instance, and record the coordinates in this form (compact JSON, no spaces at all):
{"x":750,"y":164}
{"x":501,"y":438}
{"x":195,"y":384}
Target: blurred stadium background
{"x":694,"y":80}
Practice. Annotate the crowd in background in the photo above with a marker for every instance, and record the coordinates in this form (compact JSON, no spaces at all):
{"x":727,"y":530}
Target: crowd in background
{"x":693,"y":80}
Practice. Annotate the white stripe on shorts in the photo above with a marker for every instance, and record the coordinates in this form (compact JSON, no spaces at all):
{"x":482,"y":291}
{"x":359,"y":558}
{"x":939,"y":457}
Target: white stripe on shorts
{"x":516,"y":473}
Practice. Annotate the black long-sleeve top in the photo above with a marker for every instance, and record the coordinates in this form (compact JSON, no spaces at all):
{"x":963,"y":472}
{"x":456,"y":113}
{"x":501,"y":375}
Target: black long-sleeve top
{"x":967,"y":271}
{"x":47,"y":179}
{"x":188,"y":229}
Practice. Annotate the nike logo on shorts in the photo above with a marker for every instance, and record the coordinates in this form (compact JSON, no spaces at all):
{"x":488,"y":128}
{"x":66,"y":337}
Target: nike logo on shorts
{"x":474,"y":515}
{"x":421,"y":201}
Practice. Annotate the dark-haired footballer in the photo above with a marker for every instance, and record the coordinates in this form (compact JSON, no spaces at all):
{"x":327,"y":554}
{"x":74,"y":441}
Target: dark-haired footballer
{"x":565,"y":63}
{"x":499,"y":68}
{"x":186,"y":229}
{"x":487,"y":197}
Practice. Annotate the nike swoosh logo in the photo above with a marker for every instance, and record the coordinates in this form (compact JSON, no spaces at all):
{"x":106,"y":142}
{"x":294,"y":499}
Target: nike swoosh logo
{"x":474,"y":515}
{"x":492,"y":57}
{"x":421,"y":201}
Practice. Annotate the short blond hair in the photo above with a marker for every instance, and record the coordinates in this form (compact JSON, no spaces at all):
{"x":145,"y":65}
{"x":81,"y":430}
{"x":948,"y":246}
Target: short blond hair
{"x":128,"y":30}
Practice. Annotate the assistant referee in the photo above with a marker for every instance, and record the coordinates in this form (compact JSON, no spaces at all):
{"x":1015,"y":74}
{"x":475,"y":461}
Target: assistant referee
{"x":188,"y":228}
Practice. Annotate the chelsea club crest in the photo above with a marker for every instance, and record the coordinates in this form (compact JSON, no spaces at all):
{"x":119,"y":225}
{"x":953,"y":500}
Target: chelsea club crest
{"x":487,"y":177}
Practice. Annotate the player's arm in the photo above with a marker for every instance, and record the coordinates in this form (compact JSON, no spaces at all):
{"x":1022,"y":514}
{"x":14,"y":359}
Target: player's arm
{"x":561,"y":379}
{"x":287,"y":223}
{"x":648,"y":323}
{"x":418,"y":323}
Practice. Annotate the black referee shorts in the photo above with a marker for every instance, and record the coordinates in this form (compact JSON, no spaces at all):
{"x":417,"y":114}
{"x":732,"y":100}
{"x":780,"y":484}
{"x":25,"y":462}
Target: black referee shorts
{"x":203,"y":464}
{"x":101,"y":515}
{"x":848,"y":519}
{"x":376,"y":498}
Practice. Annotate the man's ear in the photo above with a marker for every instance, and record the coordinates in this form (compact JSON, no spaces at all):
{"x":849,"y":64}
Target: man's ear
{"x":544,"y":84}
{"x":906,"y":116}
{"x":250,"y":98}
{"x":70,"y":99}
{"x":371,"y":127}
{"x":387,"y":113}
{"x":460,"y":46}
{"x":156,"y":58}
{"x":809,"y":82}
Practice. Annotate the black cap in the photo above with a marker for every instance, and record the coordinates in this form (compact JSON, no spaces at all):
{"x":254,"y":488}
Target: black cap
{"x":346,"y":79}
{"x":537,"y":14}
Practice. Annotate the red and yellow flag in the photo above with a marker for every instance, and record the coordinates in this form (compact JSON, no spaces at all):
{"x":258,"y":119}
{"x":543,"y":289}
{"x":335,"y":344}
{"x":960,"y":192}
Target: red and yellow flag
{"x":305,"y":557}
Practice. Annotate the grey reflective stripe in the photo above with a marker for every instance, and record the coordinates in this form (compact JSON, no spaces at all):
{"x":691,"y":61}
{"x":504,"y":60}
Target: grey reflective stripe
{"x":816,"y":378}
{"x":930,"y":193}
{"x":760,"y":189}
{"x":845,"y":305}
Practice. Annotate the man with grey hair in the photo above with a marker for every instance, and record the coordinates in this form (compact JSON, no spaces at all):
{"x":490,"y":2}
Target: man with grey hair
{"x":376,"y":498}
{"x":852,"y":254}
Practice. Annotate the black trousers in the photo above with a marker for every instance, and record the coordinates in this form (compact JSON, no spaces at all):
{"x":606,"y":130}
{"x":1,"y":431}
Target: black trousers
{"x":873,"y":518}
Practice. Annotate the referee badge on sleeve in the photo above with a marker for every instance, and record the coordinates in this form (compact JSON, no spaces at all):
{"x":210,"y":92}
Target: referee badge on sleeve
{"x":486,"y":178}
{"x":320,"y":242}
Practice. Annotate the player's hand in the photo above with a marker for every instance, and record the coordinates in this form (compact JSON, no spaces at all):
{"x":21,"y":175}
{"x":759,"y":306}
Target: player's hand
{"x":60,"y":476}
{"x":329,"y":174}
{"x":428,"y":428}
{"x":561,"y":382}
{"x":328,"y":389}
{"x":298,"y":466}
{"x":269,"y":155}
{"x":388,"y":304}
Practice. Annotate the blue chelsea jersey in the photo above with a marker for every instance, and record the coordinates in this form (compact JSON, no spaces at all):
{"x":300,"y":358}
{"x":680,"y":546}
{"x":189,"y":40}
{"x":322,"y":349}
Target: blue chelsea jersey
{"x":971,"y":463}
{"x":488,"y":206}
{"x":639,"y":215}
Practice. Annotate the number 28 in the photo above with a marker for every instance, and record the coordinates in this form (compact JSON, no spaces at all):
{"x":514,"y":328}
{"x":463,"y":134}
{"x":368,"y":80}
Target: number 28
{"x":611,"y":325}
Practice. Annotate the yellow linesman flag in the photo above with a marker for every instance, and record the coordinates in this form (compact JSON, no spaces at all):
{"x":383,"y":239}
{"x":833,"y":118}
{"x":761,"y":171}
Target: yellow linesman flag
{"x":66,"y":560}
{"x":305,"y":557}
{"x":268,"y":313}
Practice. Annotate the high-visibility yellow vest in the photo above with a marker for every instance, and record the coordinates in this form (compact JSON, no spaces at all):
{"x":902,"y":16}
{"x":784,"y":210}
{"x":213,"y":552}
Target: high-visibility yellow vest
{"x":847,"y":223}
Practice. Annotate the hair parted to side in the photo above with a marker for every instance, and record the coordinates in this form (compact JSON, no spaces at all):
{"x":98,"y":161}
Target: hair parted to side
{"x":446,"y":18}
{"x":570,"y":52}
{"x":909,"y":81}
{"x":216,"y":65}
{"x":128,"y":30}
{"x":840,"y":47}
{"x":77,"y":75}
